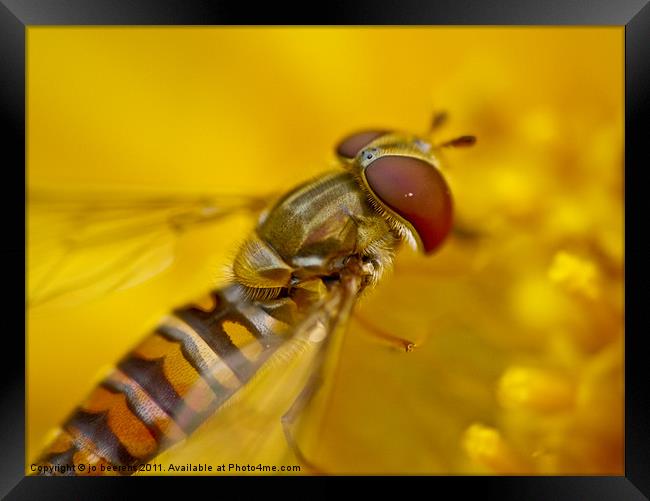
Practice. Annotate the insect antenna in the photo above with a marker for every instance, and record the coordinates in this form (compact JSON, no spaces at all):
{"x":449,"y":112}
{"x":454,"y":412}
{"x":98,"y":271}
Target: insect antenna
{"x":437,"y":121}
{"x":459,"y":142}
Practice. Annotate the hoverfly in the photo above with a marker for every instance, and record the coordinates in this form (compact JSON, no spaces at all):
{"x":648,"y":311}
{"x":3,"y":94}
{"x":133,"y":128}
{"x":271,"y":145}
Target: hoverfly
{"x":294,"y":283}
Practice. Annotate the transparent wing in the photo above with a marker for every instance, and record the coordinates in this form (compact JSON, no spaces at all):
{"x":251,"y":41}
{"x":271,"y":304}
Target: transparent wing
{"x":248,"y":428}
{"x":83,"y":245}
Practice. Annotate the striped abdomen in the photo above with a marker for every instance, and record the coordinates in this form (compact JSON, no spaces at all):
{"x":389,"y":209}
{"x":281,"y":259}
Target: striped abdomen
{"x":169,"y":384}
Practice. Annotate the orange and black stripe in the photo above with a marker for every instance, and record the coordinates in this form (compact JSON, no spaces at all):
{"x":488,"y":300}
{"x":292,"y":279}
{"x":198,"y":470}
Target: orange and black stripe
{"x":170,"y":383}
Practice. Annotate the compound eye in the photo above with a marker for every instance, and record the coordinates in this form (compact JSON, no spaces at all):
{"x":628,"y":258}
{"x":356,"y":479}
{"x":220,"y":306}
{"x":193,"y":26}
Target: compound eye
{"x":417,"y":192}
{"x":353,"y":144}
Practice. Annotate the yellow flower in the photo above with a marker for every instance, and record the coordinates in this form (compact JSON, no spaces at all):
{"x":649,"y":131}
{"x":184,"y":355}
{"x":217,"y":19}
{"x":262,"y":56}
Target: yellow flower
{"x":575,"y":274}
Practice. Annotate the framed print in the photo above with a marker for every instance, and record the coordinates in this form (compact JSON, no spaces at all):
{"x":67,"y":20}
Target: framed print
{"x":390,"y":249}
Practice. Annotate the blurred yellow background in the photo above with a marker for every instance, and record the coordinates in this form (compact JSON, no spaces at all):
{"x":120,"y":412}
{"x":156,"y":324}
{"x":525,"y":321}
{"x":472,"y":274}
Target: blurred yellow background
{"x":519,"y":361}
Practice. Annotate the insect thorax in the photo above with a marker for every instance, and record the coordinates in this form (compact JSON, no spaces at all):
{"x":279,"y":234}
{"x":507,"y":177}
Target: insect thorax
{"x":310,"y":233}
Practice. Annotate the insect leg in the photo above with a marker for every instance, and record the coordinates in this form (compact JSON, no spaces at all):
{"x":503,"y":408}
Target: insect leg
{"x":288,"y":420}
{"x":326,"y":327}
{"x":465,"y":232}
{"x":377,"y":332}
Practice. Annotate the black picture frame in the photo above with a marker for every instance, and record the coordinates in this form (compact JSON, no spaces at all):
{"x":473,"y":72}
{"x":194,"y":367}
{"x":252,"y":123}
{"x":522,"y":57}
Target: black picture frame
{"x":17,"y":15}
